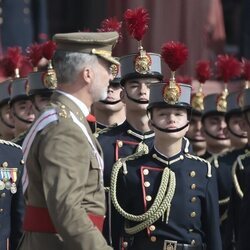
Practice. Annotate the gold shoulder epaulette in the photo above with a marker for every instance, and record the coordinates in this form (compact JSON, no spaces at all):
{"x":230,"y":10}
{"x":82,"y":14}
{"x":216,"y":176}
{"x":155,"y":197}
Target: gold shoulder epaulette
{"x":197,"y":158}
{"x":63,"y":111}
{"x":104,"y":130}
{"x":142,"y":149}
{"x":10,"y":143}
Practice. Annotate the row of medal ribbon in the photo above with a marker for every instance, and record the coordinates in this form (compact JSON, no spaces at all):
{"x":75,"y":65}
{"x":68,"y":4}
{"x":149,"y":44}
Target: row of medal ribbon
{"x":8,"y":177}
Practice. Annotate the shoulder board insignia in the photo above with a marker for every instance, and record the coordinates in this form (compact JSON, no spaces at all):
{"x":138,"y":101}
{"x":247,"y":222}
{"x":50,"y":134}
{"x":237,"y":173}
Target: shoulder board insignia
{"x":10,"y":143}
{"x":209,"y":168}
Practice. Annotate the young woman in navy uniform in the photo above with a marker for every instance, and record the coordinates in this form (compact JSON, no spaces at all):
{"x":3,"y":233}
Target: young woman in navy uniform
{"x":168,"y":198}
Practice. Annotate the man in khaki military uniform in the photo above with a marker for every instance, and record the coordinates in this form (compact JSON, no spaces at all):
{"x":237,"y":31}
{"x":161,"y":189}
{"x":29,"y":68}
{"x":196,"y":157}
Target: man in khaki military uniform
{"x":65,"y":195}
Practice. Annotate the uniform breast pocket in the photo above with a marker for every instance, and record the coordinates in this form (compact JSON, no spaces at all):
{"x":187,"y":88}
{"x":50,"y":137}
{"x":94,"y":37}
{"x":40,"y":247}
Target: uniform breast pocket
{"x":95,"y":175}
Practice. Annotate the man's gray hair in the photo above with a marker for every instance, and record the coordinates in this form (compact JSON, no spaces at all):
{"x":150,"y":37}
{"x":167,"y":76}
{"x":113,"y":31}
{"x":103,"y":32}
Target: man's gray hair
{"x":68,"y":64}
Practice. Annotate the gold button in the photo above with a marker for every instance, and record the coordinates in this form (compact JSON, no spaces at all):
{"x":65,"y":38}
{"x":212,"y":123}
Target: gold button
{"x":145,"y":171}
{"x":193,"y":199}
{"x":193,"y":242}
{"x":146,"y":184}
{"x":3,"y":195}
{"x":5,"y":164}
{"x":148,"y":198}
{"x":193,"y":186}
{"x":153,"y":238}
{"x":125,"y":244}
{"x":22,"y":161}
{"x":193,"y":214}
{"x":1,"y":210}
{"x":192,"y":174}
{"x":152,"y":228}
{"x":120,"y":144}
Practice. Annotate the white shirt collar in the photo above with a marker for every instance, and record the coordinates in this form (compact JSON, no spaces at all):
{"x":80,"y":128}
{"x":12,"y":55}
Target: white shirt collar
{"x":79,"y":103}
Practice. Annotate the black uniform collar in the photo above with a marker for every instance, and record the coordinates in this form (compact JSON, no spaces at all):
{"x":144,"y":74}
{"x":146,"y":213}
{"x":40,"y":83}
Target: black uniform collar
{"x":166,"y":160}
{"x":136,"y":133}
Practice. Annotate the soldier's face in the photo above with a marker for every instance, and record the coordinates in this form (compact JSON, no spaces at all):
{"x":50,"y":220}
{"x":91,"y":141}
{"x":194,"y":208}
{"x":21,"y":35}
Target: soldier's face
{"x":194,"y":131}
{"x":102,"y":76}
{"x":234,"y":126}
{"x":137,"y":89}
{"x":113,"y":100}
{"x":39,"y":102}
{"x":216,"y":126}
{"x":170,"y":118}
{"x":24,"y":110}
{"x":7,"y":118}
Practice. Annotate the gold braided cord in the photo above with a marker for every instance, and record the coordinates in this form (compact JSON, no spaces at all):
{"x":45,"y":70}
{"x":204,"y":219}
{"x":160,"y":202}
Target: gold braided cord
{"x":235,"y":180}
{"x":156,"y":203}
{"x":164,"y":206}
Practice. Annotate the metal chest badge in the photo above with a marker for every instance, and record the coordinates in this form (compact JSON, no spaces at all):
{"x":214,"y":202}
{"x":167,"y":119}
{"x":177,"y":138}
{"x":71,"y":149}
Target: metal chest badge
{"x":8,"y":178}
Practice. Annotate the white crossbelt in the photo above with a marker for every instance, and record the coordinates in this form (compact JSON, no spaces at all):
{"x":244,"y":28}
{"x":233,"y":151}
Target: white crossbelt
{"x":46,"y":118}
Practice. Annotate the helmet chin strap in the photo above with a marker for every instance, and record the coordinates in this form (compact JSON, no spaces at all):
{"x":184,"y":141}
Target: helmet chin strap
{"x":135,"y":100}
{"x":235,"y":134}
{"x":110,"y":103}
{"x":195,"y":140}
{"x":6,"y":123}
{"x":20,"y":118}
{"x":166,"y":130}
{"x":214,"y":137}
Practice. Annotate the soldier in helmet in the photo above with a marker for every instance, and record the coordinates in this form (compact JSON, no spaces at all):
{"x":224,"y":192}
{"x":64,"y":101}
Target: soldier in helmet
{"x":111,"y":111}
{"x":237,"y":230}
{"x":167,"y":198}
{"x":6,"y":121}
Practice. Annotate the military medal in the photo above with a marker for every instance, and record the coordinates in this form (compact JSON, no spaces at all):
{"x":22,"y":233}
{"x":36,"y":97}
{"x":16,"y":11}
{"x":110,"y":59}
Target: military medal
{"x":8,"y":185}
{"x":2,"y":185}
{"x":13,"y":188}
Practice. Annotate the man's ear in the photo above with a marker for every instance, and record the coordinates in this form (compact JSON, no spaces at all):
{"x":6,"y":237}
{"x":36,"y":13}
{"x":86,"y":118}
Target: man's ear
{"x":87,"y":75}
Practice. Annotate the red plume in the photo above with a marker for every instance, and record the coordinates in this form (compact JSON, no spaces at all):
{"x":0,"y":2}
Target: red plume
{"x":137,"y":22}
{"x":111,"y":24}
{"x":7,"y":68}
{"x":26,"y":67}
{"x":184,"y":79}
{"x":15,"y":56}
{"x":228,"y":67}
{"x":48,"y":48}
{"x":174,"y":54}
{"x":203,"y":71}
{"x":34,"y":54}
{"x":246,"y":69}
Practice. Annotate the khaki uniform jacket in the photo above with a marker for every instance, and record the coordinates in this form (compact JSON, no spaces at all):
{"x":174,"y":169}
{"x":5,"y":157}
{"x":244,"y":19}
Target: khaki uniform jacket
{"x":64,"y":176}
